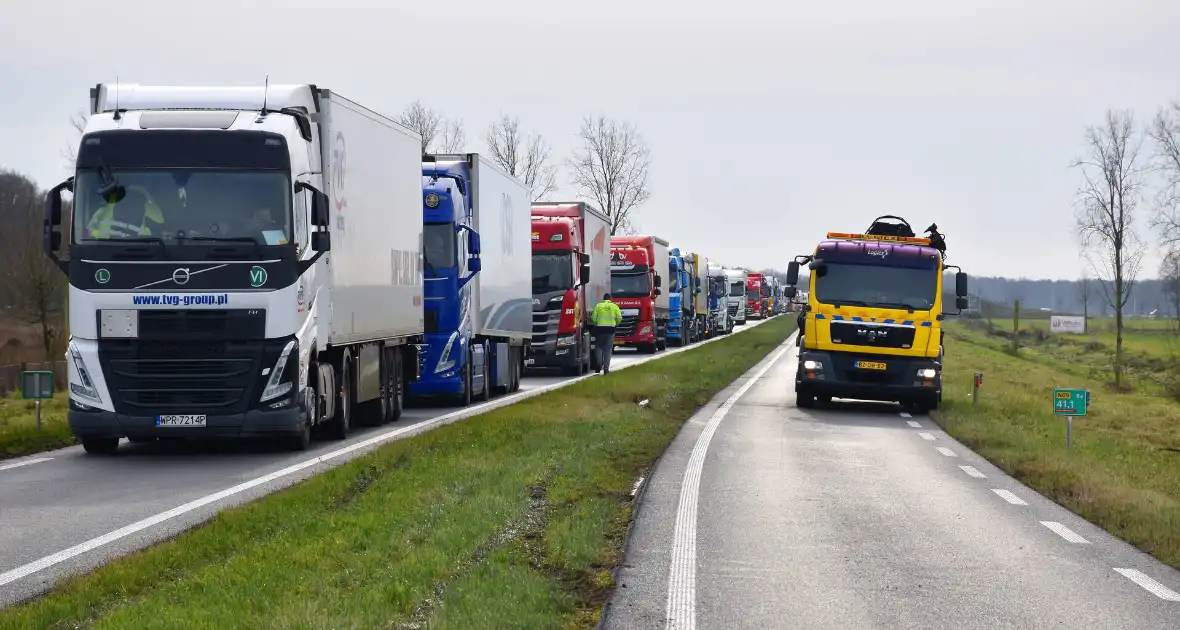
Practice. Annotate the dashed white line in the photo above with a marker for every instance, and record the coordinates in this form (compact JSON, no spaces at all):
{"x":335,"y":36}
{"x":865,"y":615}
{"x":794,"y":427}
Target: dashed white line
{"x":26,"y":462}
{"x":914,"y":424}
{"x":1009,"y":497}
{"x":926,"y":436}
{"x":680,"y":612}
{"x":1065,"y":532}
{"x":906,"y":414}
{"x":1155,"y":588}
{"x":972,"y":471}
{"x":946,"y":451}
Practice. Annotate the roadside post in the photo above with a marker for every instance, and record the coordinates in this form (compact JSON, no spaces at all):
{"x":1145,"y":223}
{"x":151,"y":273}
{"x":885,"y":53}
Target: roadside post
{"x":1070,"y":402}
{"x":975,"y":389}
{"x":36,"y":385}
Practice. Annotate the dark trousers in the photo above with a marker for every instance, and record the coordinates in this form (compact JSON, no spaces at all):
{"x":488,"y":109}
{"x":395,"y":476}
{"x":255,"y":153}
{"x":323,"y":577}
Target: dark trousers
{"x":604,"y":345}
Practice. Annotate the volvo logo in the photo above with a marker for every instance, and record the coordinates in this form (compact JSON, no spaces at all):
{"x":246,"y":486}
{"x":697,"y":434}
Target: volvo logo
{"x":180,"y":276}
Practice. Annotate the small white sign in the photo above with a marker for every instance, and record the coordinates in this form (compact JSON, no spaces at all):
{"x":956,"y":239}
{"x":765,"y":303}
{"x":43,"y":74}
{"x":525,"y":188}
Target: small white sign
{"x":1067,"y":324}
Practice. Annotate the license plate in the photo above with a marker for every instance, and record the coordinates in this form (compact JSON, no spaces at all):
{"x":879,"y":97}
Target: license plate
{"x":619,"y":343}
{"x":870,"y":365}
{"x":180,"y":421}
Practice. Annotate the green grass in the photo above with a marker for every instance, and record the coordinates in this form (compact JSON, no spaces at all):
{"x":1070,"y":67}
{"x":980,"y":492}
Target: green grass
{"x":514,"y":518}
{"x":1123,"y":473}
{"x":18,"y":426}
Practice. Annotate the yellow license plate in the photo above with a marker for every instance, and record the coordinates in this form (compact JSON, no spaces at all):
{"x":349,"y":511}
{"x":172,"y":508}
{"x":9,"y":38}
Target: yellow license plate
{"x":619,"y":343}
{"x":870,"y":365}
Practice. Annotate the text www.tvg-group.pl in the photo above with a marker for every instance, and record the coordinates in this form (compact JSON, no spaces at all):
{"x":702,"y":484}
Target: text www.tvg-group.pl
{"x":220,"y":299}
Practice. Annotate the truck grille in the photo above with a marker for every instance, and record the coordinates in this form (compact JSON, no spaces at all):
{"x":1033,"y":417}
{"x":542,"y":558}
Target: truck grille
{"x":150,"y":378}
{"x":733,"y":309}
{"x":190,"y":325}
{"x":873,"y":335}
{"x":626,"y":327}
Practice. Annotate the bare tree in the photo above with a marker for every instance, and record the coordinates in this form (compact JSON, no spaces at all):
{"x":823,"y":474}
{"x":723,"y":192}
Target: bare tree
{"x":454,"y":137}
{"x":34,"y":285}
{"x":1113,"y":176}
{"x":611,"y":167}
{"x":1170,"y":279}
{"x":70,"y":152}
{"x":525,"y":157}
{"x":1085,"y":289}
{"x":431,"y":125}
{"x":1165,"y":132}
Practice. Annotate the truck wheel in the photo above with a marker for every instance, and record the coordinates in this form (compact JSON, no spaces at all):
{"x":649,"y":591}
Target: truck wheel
{"x":337,"y":428}
{"x":398,"y":401}
{"x":374,"y":413}
{"x":100,"y":445}
{"x":300,"y":441}
{"x":517,"y":369}
{"x":486,"y":393}
{"x":467,"y":379}
{"x":804,"y":398}
{"x":587,"y":354}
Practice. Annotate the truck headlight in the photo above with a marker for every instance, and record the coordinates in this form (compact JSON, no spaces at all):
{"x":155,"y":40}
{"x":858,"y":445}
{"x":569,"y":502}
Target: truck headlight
{"x":567,"y":341}
{"x":927,"y":373}
{"x":812,"y":365}
{"x":85,"y":388}
{"x":445,"y":362}
{"x":275,"y":385}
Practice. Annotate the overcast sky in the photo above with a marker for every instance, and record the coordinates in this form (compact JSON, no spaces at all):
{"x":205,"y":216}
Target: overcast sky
{"x":770,"y":123}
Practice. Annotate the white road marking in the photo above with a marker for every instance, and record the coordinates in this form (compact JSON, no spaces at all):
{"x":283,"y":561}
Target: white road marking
{"x":906,"y":414}
{"x":1155,"y":588}
{"x":946,"y":451}
{"x":913,"y":424}
{"x":925,"y":435}
{"x":635,"y":488}
{"x":680,"y":612}
{"x":41,"y":564}
{"x":1009,"y":497}
{"x":972,"y":471}
{"x":1065,"y":532}
{"x":24,"y":463}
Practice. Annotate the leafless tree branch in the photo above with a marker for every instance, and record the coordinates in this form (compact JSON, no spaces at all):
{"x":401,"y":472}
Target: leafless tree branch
{"x":454,"y":137}
{"x":423,"y":120}
{"x":526,"y":158}
{"x":1113,"y":178}
{"x":34,"y":286}
{"x":1164,"y":131}
{"x":70,"y":153}
{"x":611,"y":167}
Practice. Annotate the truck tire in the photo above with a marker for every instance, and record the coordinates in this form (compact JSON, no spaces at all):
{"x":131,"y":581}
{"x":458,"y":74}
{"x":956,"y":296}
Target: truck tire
{"x":300,"y":441}
{"x":399,"y":382}
{"x":374,"y":413}
{"x":804,"y":398}
{"x":465,"y":397}
{"x":587,"y":353}
{"x":100,"y":445}
{"x":485,"y":393}
{"x":337,"y":428}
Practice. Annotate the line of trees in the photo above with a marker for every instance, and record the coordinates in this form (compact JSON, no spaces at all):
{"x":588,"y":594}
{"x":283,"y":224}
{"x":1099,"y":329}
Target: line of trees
{"x":1129,"y":169}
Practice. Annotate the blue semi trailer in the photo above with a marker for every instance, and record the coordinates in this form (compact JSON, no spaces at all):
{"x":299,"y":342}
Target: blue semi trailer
{"x":477,"y":264}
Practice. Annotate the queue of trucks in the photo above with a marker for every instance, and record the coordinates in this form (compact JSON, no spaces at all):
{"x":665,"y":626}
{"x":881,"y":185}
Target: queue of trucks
{"x":281,"y":261}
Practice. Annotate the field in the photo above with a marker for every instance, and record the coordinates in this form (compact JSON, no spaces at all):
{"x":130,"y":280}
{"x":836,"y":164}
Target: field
{"x":514,"y":518}
{"x":1123,"y":473}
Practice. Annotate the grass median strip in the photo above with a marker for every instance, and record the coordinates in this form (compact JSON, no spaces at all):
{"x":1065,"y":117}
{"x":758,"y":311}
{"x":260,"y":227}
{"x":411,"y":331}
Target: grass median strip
{"x":1123,"y":473}
{"x":18,"y":426}
{"x":514,"y":518}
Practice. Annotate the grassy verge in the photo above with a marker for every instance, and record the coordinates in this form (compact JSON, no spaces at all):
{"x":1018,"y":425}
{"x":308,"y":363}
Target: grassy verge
{"x":1124,"y":471}
{"x":511,"y":519}
{"x":18,"y":426}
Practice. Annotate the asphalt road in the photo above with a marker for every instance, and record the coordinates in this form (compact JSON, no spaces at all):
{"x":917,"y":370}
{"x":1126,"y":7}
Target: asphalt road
{"x":859,"y":516}
{"x":65,"y":512}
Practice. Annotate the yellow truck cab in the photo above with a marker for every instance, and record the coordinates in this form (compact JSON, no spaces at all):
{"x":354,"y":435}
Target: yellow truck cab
{"x":870,"y":327}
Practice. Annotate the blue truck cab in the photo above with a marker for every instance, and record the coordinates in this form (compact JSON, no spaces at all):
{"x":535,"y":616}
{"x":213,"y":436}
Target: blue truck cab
{"x":678,"y":333}
{"x":448,"y":363}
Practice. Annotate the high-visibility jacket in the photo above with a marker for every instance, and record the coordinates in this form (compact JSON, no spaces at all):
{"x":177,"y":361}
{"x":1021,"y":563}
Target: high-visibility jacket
{"x":606,"y":313}
{"x":103,"y":224}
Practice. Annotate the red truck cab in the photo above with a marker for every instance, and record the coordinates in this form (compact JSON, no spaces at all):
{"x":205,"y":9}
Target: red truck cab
{"x":635,"y":288}
{"x":754,"y":296}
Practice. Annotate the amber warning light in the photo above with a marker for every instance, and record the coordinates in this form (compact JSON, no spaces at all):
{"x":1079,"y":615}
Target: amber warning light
{"x":880,"y":237}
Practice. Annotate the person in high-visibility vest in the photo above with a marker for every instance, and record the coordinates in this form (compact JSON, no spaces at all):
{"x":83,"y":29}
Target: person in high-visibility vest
{"x":605,"y":316}
{"x":103,"y":223}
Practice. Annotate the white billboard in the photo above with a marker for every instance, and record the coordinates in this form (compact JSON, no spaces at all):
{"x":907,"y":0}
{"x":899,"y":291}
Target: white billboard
{"x":1067,"y":324}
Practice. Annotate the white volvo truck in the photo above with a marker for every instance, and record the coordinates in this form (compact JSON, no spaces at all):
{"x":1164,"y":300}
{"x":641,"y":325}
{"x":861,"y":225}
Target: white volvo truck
{"x":242,"y":262}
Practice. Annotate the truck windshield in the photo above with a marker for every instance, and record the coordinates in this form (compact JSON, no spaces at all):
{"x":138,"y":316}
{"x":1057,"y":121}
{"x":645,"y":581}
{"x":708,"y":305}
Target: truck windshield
{"x":630,"y":285}
{"x":890,"y":287}
{"x":171,"y":204}
{"x":737,"y":288}
{"x":552,"y":272}
{"x":438,"y":243}
{"x":753,"y":294}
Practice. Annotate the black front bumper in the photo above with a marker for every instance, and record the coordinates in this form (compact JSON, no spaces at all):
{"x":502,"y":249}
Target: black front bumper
{"x":254,"y":423}
{"x":550,"y":356}
{"x":838,"y":376}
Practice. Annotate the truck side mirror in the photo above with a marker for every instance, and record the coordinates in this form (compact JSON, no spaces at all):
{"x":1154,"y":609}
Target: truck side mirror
{"x":961,"y":285}
{"x":584,"y":259}
{"x":791,"y":291}
{"x":50,"y":235}
{"x":473,"y":242}
{"x":584,"y":276}
{"x":961,"y":303}
{"x":475,"y":264}
{"x":319,"y":204}
{"x":321,"y":241}
{"x":793,"y":273}
{"x":658,"y":281}
{"x":659,"y":292}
